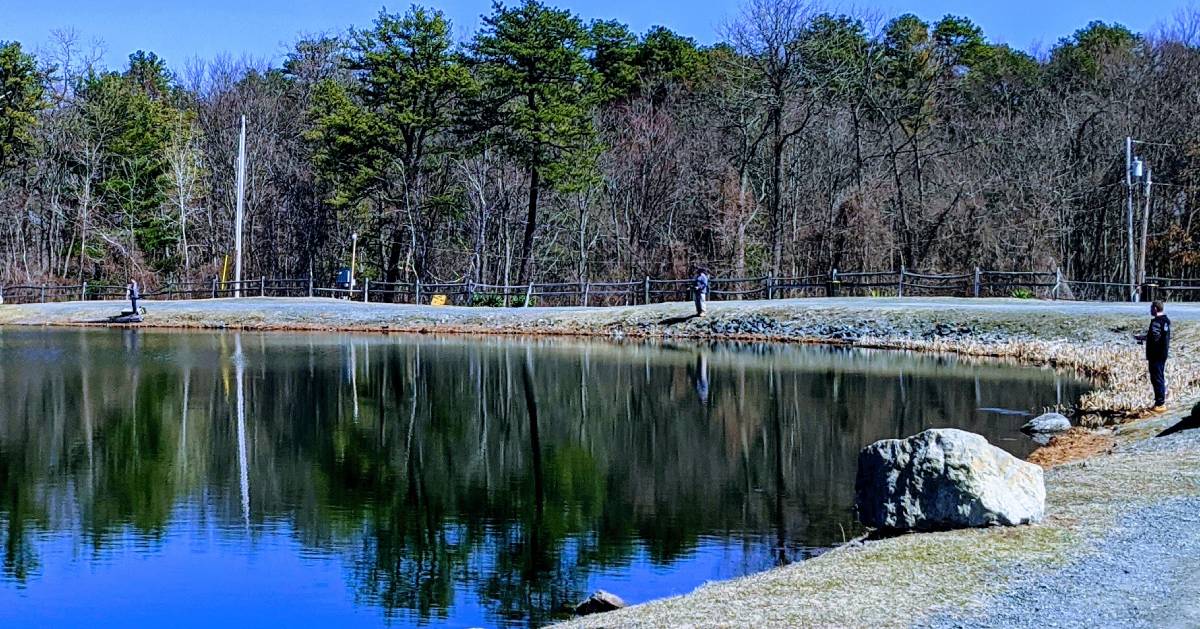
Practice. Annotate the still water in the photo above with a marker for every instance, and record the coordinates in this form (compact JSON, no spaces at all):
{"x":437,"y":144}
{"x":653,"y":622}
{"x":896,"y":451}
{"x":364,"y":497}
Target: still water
{"x":194,"y":479}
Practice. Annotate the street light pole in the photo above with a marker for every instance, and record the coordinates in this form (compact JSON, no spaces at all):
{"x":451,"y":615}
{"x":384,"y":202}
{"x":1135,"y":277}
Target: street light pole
{"x":1145,"y":228}
{"x":353,"y":254}
{"x":241,"y":200}
{"x":1129,"y":216}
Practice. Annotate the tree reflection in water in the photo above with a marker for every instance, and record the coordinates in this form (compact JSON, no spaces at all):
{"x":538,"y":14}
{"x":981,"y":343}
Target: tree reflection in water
{"x":453,"y":478}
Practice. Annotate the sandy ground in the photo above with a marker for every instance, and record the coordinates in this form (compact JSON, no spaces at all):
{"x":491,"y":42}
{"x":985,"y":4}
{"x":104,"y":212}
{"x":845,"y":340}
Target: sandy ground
{"x":1062,"y":572}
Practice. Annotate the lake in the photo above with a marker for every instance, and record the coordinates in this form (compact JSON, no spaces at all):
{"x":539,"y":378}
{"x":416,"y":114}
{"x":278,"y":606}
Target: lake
{"x":275,"y":479}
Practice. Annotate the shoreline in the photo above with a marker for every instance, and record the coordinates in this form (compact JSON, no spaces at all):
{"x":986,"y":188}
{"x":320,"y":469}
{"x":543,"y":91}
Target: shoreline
{"x":1092,"y":339}
{"x":899,"y":581}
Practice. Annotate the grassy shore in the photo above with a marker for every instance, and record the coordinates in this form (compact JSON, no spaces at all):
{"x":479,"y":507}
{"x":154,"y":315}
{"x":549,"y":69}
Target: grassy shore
{"x":889,"y":582}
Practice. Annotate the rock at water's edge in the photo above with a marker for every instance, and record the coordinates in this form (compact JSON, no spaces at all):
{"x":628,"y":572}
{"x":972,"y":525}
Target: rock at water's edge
{"x":599,"y":601}
{"x":1050,"y":422}
{"x":943,"y":479}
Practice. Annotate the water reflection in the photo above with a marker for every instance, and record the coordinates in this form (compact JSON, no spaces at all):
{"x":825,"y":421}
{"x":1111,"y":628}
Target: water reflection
{"x":357,"y":480}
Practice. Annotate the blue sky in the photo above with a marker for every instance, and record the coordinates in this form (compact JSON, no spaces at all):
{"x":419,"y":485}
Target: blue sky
{"x":178,"y":31}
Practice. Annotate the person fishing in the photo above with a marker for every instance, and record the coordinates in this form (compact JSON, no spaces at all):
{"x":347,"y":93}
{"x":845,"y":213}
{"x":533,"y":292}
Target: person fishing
{"x":700,"y":289}
{"x":132,"y":293}
{"x":1158,"y":343}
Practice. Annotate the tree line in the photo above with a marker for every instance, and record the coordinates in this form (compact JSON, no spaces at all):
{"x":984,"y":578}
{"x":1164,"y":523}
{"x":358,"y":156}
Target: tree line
{"x":546,"y":147}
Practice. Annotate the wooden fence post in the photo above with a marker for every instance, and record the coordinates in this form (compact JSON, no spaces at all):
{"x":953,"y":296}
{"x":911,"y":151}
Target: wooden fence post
{"x":366,"y":289}
{"x":900,"y":285}
{"x":310,"y":284}
{"x":769,"y":286}
{"x":1057,"y":283}
{"x":43,"y":293}
{"x":262,"y":286}
{"x":1,"y":294}
{"x":586,"y":286}
{"x":83,"y":292}
{"x":832,"y":286}
{"x":529,"y":293}
{"x":417,"y":292}
{"x":646,"y":291}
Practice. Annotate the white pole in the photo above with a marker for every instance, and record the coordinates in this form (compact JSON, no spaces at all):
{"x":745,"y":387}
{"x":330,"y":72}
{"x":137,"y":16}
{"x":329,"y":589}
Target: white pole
{"x":353,"y":254}
{"x":241,"y":199}
{"x":1145,"y":229}
{"x":1129,"y":218}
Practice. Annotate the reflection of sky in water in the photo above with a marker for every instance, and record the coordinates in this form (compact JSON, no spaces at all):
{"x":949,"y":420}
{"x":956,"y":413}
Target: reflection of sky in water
{"x":152,"y":479}
{"x":201,"y":573}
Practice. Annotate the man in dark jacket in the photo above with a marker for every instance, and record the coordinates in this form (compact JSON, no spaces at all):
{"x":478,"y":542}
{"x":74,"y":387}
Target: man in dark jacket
{"x":1158,"y":344}
{"x":700,"y":291}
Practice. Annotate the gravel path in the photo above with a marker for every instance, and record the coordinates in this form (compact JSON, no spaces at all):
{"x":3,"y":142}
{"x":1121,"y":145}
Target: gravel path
{"x":1144,"y":573}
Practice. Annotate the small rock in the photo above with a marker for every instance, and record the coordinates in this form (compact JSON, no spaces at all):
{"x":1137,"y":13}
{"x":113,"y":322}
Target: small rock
{"x":1050,"y":422}
{"x":943,"y":479}
{"x":599,"y":602}
{"x":1041,"y":438}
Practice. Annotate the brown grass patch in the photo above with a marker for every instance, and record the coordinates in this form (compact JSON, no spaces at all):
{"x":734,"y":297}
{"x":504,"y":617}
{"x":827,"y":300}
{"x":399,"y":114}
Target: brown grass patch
{"x":1074,"y":445}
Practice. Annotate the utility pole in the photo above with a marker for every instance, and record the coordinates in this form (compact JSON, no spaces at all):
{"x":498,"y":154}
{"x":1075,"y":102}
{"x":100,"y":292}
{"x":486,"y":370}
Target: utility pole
{"x":1145,"y":230}
{"x":353,"y":254}
{"x":241,"y":200}
{"x":1129,"y":216}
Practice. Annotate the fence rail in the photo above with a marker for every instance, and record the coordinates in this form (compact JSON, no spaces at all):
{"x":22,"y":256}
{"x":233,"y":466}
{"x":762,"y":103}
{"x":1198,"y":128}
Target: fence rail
{"x":901,"y":283}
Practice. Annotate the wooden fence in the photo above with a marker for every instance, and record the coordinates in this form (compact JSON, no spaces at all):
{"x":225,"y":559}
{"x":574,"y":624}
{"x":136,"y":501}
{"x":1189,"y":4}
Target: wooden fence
{"x":902,"y":283}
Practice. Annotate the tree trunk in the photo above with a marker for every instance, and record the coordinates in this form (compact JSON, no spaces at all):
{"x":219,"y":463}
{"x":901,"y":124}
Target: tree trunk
{"x":530,"y":226}
{"x":776,"y":192}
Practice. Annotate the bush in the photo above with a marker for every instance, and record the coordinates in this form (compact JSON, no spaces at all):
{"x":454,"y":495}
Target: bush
{"x":487,"y":300}
{"x":1022,"y":293}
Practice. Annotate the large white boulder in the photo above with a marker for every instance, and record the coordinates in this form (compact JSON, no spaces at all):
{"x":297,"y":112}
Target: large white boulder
{"x":943,"y":479}
{"x":1049,"y":422}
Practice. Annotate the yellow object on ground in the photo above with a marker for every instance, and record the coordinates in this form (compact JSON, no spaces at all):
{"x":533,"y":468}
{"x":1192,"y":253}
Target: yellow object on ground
{"x":437,"y":300}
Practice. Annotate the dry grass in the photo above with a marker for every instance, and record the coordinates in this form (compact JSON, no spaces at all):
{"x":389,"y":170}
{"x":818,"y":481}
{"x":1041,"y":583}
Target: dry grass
{"x":1074,"y":445}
